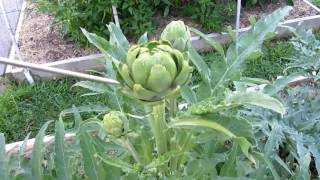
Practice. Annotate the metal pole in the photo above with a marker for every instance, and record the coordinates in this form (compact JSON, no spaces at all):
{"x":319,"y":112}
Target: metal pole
{"x":238,"y":23}
{"x":115,"y":16}
{"x":14,"y":43}
{"x":57,"y":71}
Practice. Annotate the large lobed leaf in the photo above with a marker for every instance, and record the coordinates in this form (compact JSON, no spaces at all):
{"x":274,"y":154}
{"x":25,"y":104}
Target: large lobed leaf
{"x":247,"y":45}
{"x":255,"y":98}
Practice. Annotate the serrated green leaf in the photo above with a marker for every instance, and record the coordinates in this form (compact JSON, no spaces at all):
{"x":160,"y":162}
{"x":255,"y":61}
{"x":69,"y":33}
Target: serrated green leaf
{"x":23,"y":148}
{"x":199,"y":63}
{"x":218,"y":47}
{"x":105,"y":47}
{"x":255,"y":98}
{"x":37,"y":154}
{"x":247,"y":44}
{"x":117,"y":35}
{"x":116,"y":162}
{"x":143,"y":39}
{"x":93,"y":86}
{"x":280,"y":84}
{"x":192,"y":122}
{"x":188,"y":94}
{"x":244,"y":144}
{"x":89,"y":156}
{"x":60,"y":159}
{"x":229,"y":167}
{"x":77,"y":118}
{"x":85,"y":108}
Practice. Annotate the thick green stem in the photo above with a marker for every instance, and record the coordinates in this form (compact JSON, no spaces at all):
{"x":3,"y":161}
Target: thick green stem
{"x":173,"y":108}
{"x":159,"y":127}
{"x":131,"y":149}
{"x":182,"y":147}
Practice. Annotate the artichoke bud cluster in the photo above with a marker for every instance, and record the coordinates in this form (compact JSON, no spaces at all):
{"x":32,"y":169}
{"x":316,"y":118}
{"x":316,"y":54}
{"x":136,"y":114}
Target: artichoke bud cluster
{"x":154,"y":70}
{"x":115,"y":124}
{"x":178,"y":34}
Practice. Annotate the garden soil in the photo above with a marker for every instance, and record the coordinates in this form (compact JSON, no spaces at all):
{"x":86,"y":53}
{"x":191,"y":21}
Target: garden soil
{"x":41,"y":41}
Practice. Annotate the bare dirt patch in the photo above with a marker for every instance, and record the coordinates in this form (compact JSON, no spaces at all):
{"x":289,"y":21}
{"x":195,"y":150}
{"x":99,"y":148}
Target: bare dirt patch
{"x":300,"y":9}
{"x":42,"y":41}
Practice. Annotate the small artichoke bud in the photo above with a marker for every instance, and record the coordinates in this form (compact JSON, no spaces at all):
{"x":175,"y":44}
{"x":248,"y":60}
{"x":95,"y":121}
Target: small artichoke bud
{"x":178,"y":34}
{"x":115,"y":124}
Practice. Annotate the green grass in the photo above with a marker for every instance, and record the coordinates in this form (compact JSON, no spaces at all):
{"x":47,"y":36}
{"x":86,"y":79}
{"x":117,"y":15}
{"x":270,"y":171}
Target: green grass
{"x":25,"y":108}
{"x":273,"y":61}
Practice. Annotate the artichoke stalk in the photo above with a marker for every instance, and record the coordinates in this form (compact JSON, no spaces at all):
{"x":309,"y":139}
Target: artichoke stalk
{"x":154,"y":70}
{"x":178,"y":34}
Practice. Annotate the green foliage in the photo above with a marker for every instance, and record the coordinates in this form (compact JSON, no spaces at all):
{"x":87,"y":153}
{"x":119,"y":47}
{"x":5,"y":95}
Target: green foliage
{"x":212,"y":15}
{"x":292,"y":139}
{"x":271,"y":64}
{"x":208,"y":140}
{"x":136,"y":17}
{"x":308,"y":52}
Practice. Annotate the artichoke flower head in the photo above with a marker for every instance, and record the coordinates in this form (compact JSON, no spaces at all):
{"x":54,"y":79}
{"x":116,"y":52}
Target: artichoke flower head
{"x":154,"y":70}
{"x":115,"y":124}
{"x":178,"y":34}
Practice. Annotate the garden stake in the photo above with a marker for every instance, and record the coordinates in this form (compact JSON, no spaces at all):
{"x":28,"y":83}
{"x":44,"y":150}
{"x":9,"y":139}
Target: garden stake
{"x":58,"y":71}
{"x":238,"y":23}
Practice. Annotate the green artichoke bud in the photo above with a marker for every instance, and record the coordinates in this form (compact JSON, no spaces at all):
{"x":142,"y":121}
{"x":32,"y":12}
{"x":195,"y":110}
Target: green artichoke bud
{"x":115,"y":124}
{"x":178,"y":34}
{"x":154,"y":70}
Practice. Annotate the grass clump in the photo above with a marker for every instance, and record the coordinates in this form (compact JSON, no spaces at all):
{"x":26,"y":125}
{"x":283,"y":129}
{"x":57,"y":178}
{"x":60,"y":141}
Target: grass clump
{"x":26,"y":108}
{"x":273,"y":61}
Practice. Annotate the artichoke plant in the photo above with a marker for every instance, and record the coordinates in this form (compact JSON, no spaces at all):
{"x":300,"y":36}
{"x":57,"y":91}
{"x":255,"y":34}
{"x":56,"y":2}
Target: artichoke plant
{"x":114,"y":123}
{"x":154,"y":70}
{"x":178,"y":34}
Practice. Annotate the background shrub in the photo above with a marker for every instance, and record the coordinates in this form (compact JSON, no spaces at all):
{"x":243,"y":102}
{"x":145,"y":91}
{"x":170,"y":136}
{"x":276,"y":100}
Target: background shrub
{"x":93,"y":15}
